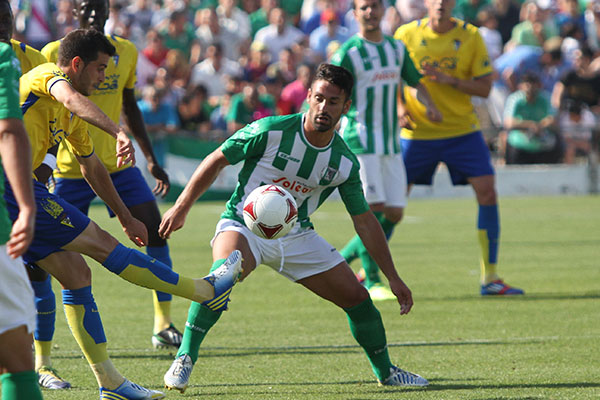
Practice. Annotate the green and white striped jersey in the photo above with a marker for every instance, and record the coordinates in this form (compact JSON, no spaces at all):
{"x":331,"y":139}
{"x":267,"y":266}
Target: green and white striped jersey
{"x":276,"y":151}
{"x":371,"y":124}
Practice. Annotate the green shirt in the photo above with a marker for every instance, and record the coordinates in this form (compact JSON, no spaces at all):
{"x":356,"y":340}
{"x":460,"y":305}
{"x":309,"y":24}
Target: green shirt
{"x":519,"y":108}
{"x":371,"y":124}
{"x":275,"y":151}
{"x":10,"y":71}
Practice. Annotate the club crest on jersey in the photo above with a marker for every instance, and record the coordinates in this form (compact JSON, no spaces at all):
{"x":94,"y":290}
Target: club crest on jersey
{"x":456,"y":44}
{"x":327,"y":175}
{"x":423,"y":42}
{"x":293,"y":186}
{"x":116,"y":59}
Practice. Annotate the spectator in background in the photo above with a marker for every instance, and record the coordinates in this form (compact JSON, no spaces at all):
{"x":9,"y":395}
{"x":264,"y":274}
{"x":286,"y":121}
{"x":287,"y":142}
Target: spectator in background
{"x":235,"y":20}
{"x":210,"y":31}
{"x":294,"y":94}
{"x":529,"y":119}
{"x":571,"y":15}
{"x":161,"y":120}
{"x":65,"y":20}
{"x":248,"y":106}
{"x":179,"y":35}
{"x":411,"y":10}
{"x":285,"y":66}
{"x":257,"y":62}
{"x":178,"y":70}
{"x":391,"y":21}
{"x":214,"y":71}
{"x":116,"y":24}
{"x":194,"y":111}
{"x":467,"y":10}
{"x":279,"y":34}
{"x":576,"y":123}
{"x":155,"y":50}
{"x":537,"y":27}
{"x":260,"y":18}
{"x":314,"y":20}
{"x":271,"y":87}
{"x":140,"y":12}
{"x":329,"y":31}
{"x":35,"y":22}
{"x":592,"y":24}
{"x":488,"y":24}
{"x":507,"y":13}
{"x":169,"y":93}
{"x":580,"y":85}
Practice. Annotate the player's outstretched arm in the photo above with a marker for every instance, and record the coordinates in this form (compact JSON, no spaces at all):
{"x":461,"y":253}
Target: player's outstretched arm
{"x":85,"y":109}
{"x":372,"y":236}
{"x":135,"y":122}
{"x":16,"y":160}
{"x":96,"y":175}
{"x":204,"y":175}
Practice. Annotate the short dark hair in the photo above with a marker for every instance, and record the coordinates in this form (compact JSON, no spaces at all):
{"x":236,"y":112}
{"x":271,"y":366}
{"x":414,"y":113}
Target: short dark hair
{"x":84,"y":43}
{"x":354,"y":4}
{"x":530,"y":77}
{"x":338,"y":76}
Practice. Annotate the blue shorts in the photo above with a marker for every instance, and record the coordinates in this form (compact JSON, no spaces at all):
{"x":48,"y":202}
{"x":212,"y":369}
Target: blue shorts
{"x":465,"y":156}
{"x":57,"y":222}
{"x":130,"y":185}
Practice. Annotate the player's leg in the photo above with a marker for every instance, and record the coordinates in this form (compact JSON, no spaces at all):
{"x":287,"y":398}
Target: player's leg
{"x":137,"y":267}
{"x":200,"y":318}
{"x":17,"y":320}
{"x":83,"y":317}
{"x":339,"y":286}
{"x":469,"y":161}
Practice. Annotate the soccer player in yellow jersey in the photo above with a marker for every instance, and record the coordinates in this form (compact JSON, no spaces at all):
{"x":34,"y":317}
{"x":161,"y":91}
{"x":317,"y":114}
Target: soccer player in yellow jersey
{"x":54,"y":109}
{"x":27,"y":55}
{"x":453,"y":57}
{"x":114,"y":95}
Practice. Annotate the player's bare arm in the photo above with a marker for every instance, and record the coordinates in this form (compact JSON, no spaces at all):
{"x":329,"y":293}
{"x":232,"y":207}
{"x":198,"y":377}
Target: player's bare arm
{"x":479,"y":86}
{"x":16,"y":159}
{"x":204,"y":175}
{"x":135,"y":122}
{"x":372,"y":236}
{"x":433,"y":113}
{"x":84,"y":108}
{"x":97,"y":176}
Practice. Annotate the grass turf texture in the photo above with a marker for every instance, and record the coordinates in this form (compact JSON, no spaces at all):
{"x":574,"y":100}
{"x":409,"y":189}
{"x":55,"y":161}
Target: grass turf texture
{"x":278,"y":341}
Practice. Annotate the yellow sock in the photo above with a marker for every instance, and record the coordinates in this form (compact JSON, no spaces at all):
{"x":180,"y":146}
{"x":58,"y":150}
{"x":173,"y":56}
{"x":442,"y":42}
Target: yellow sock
{"x":42,"y":354}
{"x":488,"y":270}
{"x":107,"y":375}
{"x":162,"y":313}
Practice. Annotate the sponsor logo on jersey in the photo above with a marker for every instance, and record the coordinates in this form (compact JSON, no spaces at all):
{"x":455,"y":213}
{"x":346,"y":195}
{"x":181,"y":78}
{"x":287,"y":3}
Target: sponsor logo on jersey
{"x":293,"y":186}
{"x":108,"y":86}
{"x":285,"y":156}
{"x":385,"y":76}
{"x":446,"y":63}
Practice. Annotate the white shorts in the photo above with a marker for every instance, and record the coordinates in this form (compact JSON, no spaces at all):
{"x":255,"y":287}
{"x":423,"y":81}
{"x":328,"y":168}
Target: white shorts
{"x":16,"y":295}
{"x":299,"y":254}
{"x":383,"y":178}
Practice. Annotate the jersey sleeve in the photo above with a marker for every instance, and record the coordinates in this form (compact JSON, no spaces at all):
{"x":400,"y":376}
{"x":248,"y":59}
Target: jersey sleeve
{"x":352,"y":194}
{"x":249,"y":142}
{"x":79,"y":141}
{"x":9,"y":84}
{"x":341,"y":59}
{"x":50,"y":51}
{"x":409,"y":72}
{"x":481,"y":60}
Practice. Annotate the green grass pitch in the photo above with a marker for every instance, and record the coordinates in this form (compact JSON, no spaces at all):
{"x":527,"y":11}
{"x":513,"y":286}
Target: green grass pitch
{"x":278,"y":341}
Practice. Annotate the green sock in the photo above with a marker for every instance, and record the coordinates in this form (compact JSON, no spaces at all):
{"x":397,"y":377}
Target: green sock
{"x":367,"y":328}
{"x":371,"y":268}
{"x":200,"y":320}
{"x":20,"y":385}
{"x":350,"y":250}
{"x":386,"y":225}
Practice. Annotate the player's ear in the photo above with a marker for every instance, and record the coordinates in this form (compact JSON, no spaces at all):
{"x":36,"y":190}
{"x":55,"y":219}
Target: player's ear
{"x":347,"y":105}
{"x":308,"y":94}
{"x":77,"y":63}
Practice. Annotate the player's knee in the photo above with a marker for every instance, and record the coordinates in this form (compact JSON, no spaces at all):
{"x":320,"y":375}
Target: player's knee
{"x":394,"y":214}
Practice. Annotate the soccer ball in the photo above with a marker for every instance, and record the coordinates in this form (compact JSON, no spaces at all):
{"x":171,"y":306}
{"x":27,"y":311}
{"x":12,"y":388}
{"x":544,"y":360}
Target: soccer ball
{"x":270,"y":211}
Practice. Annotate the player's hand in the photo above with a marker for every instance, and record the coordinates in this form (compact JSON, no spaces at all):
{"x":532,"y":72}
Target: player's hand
{"x":172,"y":220}
{"x":21,"y":234}
{"x":162,"y":179}
{"x":405,"y":119}
{"x":434,"y":114}
{"x":125,"y":150}
{"x":403,"y":294}
{"x":136,"y":231}
{"x":435,"y":75}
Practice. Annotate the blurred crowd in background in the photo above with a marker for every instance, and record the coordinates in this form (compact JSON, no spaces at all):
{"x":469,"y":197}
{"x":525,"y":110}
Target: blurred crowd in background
{"x":208,"y":67}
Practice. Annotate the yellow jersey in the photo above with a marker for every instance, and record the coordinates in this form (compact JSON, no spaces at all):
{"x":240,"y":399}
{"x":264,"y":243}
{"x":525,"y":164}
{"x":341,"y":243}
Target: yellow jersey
{"x":459,"y":52}
{"x":47,"y":121}
{"x":27,"y":55}
{"x":120,"y":75}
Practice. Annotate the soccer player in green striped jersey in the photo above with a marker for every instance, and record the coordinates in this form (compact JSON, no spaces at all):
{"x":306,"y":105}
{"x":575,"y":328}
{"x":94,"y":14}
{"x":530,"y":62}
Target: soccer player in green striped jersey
{"x":379,"y":64}
{"x":303,"y":149}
